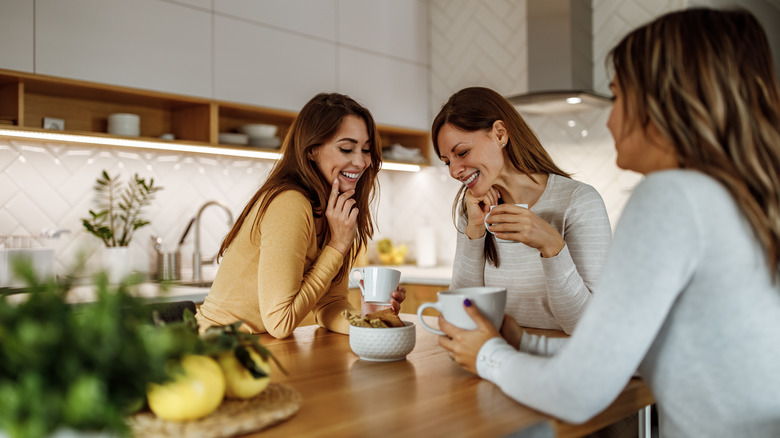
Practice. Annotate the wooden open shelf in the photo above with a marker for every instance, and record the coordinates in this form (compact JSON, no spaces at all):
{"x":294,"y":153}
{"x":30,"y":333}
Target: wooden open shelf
{"x":25,"y":99}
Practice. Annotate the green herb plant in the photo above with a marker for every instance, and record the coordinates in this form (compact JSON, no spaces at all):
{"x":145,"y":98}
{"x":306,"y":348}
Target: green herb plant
{"x":119,"y":208}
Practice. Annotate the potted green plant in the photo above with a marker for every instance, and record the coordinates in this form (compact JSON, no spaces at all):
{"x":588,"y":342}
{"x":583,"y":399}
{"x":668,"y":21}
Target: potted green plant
{"x":120,"y":208}
{"x":119,"y":213}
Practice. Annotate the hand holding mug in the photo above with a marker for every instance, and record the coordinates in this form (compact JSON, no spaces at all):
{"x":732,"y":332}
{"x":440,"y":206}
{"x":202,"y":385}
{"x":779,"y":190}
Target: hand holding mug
{"x":377,"y":284}
{"x":463,"y":345}
{"x":477,"y":209}
{"x":491,"y":301}
{"x":516,"y":223}
{"x":396,"y":298}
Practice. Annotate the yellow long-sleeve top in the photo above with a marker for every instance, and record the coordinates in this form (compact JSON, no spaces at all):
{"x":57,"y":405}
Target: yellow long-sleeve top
{"x":273,"y":276}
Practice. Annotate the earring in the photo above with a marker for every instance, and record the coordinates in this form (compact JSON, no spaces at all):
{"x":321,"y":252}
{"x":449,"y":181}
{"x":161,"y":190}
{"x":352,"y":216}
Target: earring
{"x":503,"y":145}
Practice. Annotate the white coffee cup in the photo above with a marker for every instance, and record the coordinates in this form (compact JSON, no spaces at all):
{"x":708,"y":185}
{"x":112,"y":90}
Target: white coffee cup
{"x":378,"y":283}
{"x":486,"y":224}
{"x":491,"y":302}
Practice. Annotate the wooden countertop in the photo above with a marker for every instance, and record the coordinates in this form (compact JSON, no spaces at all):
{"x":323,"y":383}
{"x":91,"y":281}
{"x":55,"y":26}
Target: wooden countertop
{"x":424,"y":395}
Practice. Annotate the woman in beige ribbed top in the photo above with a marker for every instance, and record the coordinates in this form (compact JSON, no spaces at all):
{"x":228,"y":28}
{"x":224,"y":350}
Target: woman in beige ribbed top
{"x":290,"y":250}
{"x":549,"y":253}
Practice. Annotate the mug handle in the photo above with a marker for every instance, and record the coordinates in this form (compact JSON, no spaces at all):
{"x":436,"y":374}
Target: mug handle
{"x":420,"y":309}
{"x":358,"y":279}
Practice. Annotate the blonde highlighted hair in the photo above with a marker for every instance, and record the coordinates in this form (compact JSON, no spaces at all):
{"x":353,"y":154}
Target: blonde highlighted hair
{"x":705,"y":79}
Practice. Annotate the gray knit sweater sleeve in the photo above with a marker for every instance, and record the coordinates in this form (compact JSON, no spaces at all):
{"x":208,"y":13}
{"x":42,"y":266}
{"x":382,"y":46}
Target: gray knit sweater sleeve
{"x":686,"y":298}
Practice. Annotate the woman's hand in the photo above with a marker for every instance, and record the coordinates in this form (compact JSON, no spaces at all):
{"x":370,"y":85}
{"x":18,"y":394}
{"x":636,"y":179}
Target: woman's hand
{"x":342,"y":218}
{"x":511,"y":331}
{"x":476,"y":210}
{"x":464,"y":345}
{"x":396,"y":298}
{"x":510,"y":222}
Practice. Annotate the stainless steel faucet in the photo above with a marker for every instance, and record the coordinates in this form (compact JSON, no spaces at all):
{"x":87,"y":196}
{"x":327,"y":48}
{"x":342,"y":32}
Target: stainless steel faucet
{"x":197,"y":259}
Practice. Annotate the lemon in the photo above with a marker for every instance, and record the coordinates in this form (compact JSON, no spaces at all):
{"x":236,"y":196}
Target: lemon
{"x":191,"y":395}
{"x":240,"y":383}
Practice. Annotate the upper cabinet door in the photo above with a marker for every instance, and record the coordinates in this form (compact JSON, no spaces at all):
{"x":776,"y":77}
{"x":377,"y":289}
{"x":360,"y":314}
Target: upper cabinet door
{"x":258,"y":65}
{"x":395,"y":91}
{"x":315,"y":18}
{"x":390,"y":27}
{"x":147,"y":44}
{"x":16,"y":31}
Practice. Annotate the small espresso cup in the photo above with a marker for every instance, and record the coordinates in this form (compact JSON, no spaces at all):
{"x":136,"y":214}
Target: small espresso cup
{"x":378,"y":283}
{"x":491,"y":302}
{"x":486,"y":224}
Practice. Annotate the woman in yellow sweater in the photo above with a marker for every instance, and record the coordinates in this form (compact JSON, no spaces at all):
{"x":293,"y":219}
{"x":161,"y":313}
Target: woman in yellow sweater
{"x":290,"y":250}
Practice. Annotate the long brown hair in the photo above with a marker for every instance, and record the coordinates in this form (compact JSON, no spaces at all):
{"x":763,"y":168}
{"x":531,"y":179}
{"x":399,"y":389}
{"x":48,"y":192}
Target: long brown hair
{"x":705,"y":79}
{"x":477,"y":109}
{"x":318,"y":121}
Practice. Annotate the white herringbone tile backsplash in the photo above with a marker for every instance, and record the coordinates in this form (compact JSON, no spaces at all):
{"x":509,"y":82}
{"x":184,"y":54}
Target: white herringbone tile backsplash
{"x":51,"y":186}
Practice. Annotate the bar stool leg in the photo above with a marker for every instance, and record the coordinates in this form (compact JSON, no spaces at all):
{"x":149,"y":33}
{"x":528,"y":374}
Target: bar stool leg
{"x":645,"y":415}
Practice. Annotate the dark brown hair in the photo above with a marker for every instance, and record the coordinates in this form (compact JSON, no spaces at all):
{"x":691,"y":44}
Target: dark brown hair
{"x":705,"y":79}
{"x":318,"y":121}
{"x":476,"y":109}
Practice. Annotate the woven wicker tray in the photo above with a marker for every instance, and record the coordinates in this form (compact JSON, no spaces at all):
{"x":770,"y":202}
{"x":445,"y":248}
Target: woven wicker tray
{"x":275,"y":404}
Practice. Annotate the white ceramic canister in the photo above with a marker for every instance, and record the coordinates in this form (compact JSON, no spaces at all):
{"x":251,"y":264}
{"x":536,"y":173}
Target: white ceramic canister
{"x":426,"y":247}
{"x":124,"y":124}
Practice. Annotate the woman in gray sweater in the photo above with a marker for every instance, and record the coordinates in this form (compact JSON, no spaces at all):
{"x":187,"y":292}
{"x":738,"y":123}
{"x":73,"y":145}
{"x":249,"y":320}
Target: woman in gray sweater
{"x":547,"y":253}
{"x":689,"y":295}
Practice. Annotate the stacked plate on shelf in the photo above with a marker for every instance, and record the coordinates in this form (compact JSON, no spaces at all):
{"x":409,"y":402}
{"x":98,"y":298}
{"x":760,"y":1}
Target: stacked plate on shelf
{"x":233,"y":138}
{"x":262,"y":135}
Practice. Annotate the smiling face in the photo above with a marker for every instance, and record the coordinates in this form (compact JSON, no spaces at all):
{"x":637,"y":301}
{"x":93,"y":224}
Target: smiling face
{"x":641,"y":149}
{"x":474,"y":158}
{"x":346,"y":155}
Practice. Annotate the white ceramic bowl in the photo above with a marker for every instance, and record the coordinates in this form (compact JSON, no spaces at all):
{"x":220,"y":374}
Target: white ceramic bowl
{"x":233,"y":138}
{"x":259,"y":130}
{"x":382,"y":344}
{"x":124,"y":124}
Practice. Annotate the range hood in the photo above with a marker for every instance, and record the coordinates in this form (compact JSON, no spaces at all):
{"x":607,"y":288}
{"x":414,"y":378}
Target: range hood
{"x":560,"y":59}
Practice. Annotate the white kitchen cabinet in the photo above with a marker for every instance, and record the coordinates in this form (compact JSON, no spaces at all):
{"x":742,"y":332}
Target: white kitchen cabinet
{"x":315,"y":18}
{"x":147,"y":44}
{"x":392,"y":27}
{"x":16,"y":31}
{"x":395,"y":91}
{"x":269,"y":67}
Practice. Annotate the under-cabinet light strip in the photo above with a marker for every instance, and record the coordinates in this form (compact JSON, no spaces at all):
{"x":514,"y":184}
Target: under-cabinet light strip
{"x":166,"y":146}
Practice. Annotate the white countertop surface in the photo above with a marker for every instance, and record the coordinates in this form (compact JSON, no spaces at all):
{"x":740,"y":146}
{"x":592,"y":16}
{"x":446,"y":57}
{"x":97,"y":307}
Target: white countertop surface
{"x":411,"y":274}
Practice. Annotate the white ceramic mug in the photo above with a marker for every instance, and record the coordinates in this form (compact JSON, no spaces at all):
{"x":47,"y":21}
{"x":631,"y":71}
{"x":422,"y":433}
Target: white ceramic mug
{"x":491,"y":302}
{"x":378,"y":283}
{"x":486,"y":224}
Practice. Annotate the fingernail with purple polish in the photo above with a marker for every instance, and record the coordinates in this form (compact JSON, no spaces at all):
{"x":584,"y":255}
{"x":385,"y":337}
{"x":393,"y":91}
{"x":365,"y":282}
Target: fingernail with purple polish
{"x":467,"y":302}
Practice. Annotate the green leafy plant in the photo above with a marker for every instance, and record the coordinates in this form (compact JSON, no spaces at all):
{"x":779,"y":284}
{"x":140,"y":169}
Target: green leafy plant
{"x":86,"y":367}
{"x":120,"y":208}
{"x":82,"y":367}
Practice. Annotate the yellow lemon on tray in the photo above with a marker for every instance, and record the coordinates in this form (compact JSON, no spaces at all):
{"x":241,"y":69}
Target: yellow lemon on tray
{"x":240,"y":381}
{"x":192,"y":394}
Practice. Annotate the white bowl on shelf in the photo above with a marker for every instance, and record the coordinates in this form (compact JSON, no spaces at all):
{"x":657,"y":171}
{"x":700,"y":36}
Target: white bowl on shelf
{"x":233,"y":138}
{"x":270,"y":143}
{"x":259,"y":130}
{"x":124,"y":124}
